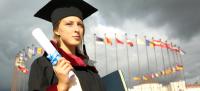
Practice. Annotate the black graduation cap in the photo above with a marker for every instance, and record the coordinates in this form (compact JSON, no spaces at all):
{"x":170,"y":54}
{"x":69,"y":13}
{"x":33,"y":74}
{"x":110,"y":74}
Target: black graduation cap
{"x":58,"y":9}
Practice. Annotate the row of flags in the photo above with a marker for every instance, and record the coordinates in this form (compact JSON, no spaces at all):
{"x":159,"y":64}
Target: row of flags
{"x":30,"y":52}
{"x":168,"y":71}
{"x":108,"y":41}
{"x":145,"y":42}
{"x":25,"y":55}
{"x":20,"y":64}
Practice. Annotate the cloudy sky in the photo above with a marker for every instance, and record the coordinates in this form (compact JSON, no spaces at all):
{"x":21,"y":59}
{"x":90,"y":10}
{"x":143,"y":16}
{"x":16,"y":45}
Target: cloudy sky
{"x":174,"y":20}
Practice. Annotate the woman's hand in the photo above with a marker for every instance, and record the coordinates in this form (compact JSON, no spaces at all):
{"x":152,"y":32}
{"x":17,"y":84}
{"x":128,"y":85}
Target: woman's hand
{"x":61,"y":70}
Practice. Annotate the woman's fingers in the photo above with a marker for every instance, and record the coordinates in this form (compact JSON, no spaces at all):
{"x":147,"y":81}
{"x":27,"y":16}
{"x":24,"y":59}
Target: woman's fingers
{"x":63,"y":66}
{"x":62,"y":61}
{"x":67,"y":67}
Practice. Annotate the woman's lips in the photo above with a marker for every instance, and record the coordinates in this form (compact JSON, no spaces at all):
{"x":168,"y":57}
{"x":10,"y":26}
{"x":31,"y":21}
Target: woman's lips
{"x":76,"y":37}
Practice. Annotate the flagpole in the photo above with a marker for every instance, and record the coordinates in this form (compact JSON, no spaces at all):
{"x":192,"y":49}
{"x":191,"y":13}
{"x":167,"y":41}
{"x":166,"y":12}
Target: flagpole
{"x":162,"y":57}
{"x":147,"y":57}
{"x":24,"y":82}
{"x":116,"y":53}
{"x":180,"y":73}
{"x":154,"y":49}
{"x":95,"y":55}
{"x":106,"y":55}
{"x":19,"y":81}
{"x":128,"y":61}
{"x":155,"y":56}
{"x":164,"y":67}
{"x":178,"y":61}
{"x":33,"y":49}
{"x":170,"y":65}
{"x":182,"y":64}
{"x":139,"y":74}
{"x":18,"y":75}
{"x":14,"y":79}
{"x":25,"y":63}
{"x":168,"y":54}
{"x":172,"y":51}
{"x":23,"y":77}
{"x":176,"y":55}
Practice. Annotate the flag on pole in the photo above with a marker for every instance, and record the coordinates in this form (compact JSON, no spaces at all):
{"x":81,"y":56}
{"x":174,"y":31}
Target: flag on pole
{"x":148,"y":76}
{"x":34,"y":51}
{"x":162,"y":72}
{"x":179,"y":67}
{"x":156,"y":74}
{"x":181,"y":51}
{"x":136,"y":78}
{"x":156,"y":42}
{"x":23,"y":69}
{"x":144,"y":78}
{"x":173,"y":69}
{"x":129,"y":42}
{"x":30,"y":52}
{"x":168,"y":71}
{"x":108,"y":41}
{"x":25,"y":56}
{"x":21,"y":56}
{"x":17,"y":60}
{"x":119,"y":41}
{"x":148,"y":42}
{"x":98,"y":39}
{"x":39,"y":51}
{"x":140,"y":42}
{"x":174,"y":48}
{"x":153,"y":76}
{"x":165,"y":45}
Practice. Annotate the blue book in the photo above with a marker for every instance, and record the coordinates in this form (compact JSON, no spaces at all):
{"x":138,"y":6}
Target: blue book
{"x":115,"y":81}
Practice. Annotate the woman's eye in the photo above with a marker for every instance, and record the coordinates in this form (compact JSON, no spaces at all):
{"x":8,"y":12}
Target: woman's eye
{"x":81,"y":25}
{"x":68,"y":24}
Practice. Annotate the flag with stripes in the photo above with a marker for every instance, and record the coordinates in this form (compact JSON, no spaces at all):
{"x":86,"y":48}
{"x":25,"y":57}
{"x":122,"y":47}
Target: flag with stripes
{"x":98,"y":39}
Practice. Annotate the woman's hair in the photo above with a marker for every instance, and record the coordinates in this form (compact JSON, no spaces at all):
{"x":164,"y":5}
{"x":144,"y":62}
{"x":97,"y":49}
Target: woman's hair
{"x":79,"y":49}
{"x":55,"y":27}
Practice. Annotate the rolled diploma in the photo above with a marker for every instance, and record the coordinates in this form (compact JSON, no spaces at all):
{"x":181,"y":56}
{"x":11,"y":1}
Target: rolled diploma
{"x":53,"y":54}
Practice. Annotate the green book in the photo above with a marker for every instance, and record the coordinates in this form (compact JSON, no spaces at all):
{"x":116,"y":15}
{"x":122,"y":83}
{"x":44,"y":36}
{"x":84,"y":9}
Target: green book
{"x":115,"y":81}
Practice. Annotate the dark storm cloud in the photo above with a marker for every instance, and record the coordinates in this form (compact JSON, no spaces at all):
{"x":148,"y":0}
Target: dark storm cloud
{"x":182,"y":16}
{"x":17,"y":21}
{"x":16,"y":24}
{"x":191,"y":59}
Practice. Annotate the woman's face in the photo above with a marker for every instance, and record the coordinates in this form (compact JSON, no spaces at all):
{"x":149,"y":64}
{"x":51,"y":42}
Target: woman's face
{"x":70,"y":30}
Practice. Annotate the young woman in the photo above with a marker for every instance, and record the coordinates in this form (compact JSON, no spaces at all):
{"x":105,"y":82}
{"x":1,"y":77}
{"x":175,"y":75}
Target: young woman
{"x":67,"y":18}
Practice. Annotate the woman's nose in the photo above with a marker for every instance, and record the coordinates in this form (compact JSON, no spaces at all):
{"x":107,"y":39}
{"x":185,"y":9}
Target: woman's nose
{"x":76,"y":28}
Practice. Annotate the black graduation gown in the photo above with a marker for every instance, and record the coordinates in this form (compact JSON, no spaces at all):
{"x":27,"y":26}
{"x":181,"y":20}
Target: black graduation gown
{"x":42,"y":76}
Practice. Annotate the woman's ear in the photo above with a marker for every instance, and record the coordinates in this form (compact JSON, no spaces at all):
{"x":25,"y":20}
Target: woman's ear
{"x":56,"y":32}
